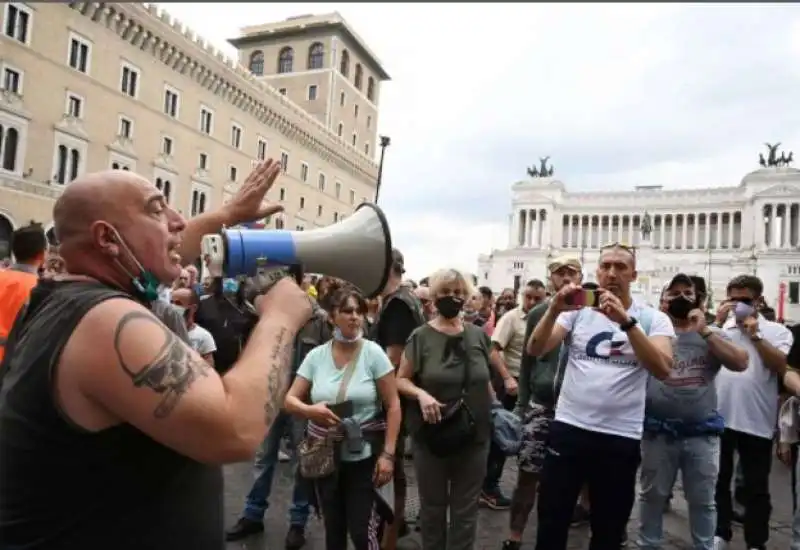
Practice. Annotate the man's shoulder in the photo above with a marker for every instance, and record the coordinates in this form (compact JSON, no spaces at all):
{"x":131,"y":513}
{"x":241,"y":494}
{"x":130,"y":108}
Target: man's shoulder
{"x":539,"y":310}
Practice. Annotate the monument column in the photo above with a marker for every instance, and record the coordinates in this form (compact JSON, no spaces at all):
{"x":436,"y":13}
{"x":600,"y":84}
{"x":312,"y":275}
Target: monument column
{"x":786,"y":225}
{"x":673,"y":230}
{"x":684,"y":230}
{"x":545,"y":241}
{"x":731,"y":218}
{"x":773,"y":211}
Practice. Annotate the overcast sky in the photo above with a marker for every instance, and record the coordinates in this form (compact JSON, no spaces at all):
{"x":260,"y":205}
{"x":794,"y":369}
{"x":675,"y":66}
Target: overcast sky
{"x":617,"y":95}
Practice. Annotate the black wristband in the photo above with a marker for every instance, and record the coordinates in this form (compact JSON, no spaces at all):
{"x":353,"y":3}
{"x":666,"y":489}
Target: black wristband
{"x":632,"y":322}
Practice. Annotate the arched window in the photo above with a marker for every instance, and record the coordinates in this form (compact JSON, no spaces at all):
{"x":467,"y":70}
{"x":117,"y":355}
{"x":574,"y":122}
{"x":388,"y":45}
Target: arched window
{"x":359,"y":76}
{"x":9,"y":142}
{"x":285,"y":60}
{"x":61,"y":164}
{"x":278,"y":223}
{"x":165,"y":187}
{"x":195,"y":199}
{"x":74,"y":163}
{"x":257,"y":63}
{"x":344,"y":66}
{"x":371,"y":89}
{"x":202,"y":203}
{"x":316,"y":56}
{"x":6,"y":230}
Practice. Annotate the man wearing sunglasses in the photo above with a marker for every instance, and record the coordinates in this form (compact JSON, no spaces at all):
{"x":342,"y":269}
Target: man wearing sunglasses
{"x":615,"y":346}
{"x":749,"y":403}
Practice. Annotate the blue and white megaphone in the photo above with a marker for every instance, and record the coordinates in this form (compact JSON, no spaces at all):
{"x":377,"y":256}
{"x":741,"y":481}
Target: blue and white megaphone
{"x":358,"y":250}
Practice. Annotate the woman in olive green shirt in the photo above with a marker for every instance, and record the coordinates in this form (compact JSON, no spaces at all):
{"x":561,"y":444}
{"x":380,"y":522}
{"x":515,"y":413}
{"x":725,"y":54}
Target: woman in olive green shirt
{"x":445,"y":367}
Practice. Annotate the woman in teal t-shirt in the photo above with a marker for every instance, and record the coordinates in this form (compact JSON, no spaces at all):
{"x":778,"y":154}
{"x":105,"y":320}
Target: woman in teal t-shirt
{"x":353,"y":377}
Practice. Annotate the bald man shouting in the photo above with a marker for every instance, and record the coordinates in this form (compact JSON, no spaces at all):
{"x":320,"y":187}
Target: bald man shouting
{"x":112,"y":429}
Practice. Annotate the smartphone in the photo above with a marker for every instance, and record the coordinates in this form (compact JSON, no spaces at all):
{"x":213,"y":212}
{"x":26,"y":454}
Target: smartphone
{"x":584,"y":297}
{"x":343,"y":409}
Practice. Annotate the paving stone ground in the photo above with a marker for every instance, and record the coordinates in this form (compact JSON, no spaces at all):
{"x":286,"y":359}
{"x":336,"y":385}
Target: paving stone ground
{"x":492,"y":525}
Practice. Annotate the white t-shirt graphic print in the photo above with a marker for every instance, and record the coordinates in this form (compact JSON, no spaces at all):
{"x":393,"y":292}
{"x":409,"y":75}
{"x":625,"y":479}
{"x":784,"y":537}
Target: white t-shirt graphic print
{"x":605,"y":386}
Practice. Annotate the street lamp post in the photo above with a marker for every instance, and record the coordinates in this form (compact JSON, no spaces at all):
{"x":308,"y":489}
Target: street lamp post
{"x":385,"y":142}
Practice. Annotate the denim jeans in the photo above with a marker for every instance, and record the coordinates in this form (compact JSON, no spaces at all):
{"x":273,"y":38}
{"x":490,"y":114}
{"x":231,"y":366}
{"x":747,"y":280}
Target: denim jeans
{"x":264,"y":469}
{"x":697,"y":458}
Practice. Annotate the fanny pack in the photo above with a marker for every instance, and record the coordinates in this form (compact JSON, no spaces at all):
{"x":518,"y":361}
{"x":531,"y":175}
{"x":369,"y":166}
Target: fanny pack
{"x":679,"y":429}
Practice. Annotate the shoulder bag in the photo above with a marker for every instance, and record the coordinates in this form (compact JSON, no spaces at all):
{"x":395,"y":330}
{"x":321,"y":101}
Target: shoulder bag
{"x":457,"y":428}
{"x":317,"y":456}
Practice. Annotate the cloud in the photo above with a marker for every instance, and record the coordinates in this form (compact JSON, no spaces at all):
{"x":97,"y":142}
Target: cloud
{"x":617,"y":95}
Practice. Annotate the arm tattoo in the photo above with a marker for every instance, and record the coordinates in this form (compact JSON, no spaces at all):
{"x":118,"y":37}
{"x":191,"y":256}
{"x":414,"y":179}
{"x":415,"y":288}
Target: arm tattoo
{"x":170,"y":373}
{"x":280,"y":360}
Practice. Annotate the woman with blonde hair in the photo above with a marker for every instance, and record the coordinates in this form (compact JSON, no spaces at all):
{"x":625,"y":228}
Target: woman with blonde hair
{"x":445,"y":368}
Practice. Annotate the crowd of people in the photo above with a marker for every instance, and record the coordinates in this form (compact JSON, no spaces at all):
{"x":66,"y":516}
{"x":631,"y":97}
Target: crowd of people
{"x":141,"y":379}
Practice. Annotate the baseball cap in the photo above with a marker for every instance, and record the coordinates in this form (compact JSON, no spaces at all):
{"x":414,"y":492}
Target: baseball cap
{"x":564,"y":261}
{"x":680,"y":279}
{"x":398,"y":262}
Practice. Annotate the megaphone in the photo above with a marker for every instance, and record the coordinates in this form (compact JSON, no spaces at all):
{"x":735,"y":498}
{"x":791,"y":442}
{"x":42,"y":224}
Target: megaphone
{"x":358,"y":249}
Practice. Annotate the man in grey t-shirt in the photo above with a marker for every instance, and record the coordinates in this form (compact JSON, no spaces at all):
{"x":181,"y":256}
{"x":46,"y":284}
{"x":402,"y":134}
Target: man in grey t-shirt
{"x":682,"y":425}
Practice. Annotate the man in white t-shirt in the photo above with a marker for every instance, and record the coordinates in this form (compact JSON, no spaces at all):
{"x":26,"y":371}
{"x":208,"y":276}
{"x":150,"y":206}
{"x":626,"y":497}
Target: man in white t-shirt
{"x":748,"y":401}
{"x":596,"y":434}
{"x":186,"y":301}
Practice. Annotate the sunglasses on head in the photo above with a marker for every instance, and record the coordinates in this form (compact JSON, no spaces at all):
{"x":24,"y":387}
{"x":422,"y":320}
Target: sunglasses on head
{"x":627,"y":248}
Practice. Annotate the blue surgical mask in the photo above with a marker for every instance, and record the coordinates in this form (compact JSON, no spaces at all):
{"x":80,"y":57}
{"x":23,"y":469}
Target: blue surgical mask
{"x":339,"y":337}
{"x":146,"y":287}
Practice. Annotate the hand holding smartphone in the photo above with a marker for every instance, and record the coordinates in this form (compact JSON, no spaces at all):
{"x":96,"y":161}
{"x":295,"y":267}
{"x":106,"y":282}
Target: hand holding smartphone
{"x":585,"y":297}
{"x":343,"y":409}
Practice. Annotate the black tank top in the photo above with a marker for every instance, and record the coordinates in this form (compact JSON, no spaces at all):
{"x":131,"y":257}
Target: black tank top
{"x":62,"y":487}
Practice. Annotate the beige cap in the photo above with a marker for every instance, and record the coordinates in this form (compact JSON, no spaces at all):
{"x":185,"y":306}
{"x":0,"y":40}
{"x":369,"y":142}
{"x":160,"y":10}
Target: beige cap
{"x":564,"y":261}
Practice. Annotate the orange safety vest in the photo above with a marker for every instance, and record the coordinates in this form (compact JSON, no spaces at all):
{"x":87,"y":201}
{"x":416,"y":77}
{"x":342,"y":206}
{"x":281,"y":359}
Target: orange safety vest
{"x":15,"y":288}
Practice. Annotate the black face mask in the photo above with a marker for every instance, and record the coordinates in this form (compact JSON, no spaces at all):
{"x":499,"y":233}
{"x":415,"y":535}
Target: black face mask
{"x":449,"y":307}
{"x":679,"y":307}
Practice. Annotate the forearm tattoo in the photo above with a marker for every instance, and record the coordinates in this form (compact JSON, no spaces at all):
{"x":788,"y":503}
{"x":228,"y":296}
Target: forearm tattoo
{"x":172,"y":370}
{"x":280,"y":360}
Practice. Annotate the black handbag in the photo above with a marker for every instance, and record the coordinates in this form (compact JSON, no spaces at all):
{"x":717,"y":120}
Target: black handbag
{"x":457,"y":428}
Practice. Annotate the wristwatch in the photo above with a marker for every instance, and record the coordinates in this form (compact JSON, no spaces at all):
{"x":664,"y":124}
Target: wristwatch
{"x":629,"y":324}
{"x":705,"y":333}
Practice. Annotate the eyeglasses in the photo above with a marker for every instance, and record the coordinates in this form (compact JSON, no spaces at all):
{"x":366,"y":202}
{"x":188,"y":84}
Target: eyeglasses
{"x":627,"y":248}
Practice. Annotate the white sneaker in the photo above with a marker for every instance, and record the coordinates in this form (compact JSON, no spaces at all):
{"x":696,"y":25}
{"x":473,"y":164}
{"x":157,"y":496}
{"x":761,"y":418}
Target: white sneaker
{"x":719,"y":543}
{"x":283,"y":457}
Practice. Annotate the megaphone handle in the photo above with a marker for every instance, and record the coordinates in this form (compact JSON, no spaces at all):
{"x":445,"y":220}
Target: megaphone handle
{"x":296,"y":271}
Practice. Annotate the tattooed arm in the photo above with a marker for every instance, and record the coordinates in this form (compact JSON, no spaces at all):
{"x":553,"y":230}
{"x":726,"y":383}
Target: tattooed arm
{"x":133,"y":367}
